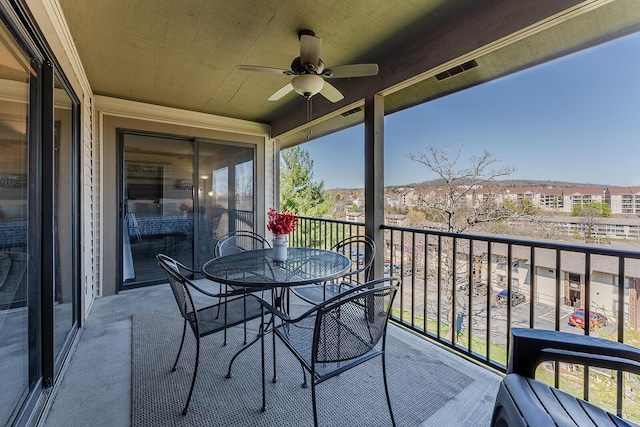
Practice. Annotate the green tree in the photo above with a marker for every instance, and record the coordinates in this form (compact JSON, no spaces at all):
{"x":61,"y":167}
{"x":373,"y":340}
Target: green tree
{"x":416,"y":218}
{"x":592,"y":209}
{"x":298,"y":192}
{"x":301,"y":195}
{"x":589,"y":211}
{"x":521,"y":207}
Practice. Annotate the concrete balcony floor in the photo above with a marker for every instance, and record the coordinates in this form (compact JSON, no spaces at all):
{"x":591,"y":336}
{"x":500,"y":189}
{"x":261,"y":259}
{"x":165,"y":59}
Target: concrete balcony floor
{"x":95,"y":386}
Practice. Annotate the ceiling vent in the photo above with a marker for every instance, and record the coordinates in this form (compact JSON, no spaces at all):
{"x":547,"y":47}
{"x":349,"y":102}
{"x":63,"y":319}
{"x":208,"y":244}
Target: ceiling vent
{"x":457,"y":70}
{"x":350,"y":112}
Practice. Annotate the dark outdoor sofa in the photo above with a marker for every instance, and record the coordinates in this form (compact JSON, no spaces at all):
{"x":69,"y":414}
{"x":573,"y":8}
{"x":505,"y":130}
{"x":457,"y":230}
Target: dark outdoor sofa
{"x":524,"y":401}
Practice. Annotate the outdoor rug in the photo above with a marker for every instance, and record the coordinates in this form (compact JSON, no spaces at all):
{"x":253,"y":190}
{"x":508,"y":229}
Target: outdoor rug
{"x":419,"y":384}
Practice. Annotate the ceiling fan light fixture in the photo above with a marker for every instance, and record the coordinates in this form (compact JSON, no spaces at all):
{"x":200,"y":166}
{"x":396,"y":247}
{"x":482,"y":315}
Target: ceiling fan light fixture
{"x":307,"y":85}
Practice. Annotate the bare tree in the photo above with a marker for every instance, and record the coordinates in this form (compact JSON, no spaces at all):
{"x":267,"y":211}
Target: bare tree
{"x":469,"y":195}
{"x":456,"y":200}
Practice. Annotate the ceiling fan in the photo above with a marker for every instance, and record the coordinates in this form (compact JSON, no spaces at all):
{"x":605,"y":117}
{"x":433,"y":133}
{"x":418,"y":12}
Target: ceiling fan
{"x":310,"y":72}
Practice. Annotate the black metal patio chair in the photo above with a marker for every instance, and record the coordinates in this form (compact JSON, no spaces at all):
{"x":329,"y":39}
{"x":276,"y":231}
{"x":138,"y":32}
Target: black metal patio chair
{"x":524,"y":401}
{"x":232,"y":308}
{"x":239,"y":241}
{"x":336,"y":335}
{"x":361,"y":250}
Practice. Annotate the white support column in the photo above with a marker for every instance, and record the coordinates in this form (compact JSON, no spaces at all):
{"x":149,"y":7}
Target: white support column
{"x":374,"y":176}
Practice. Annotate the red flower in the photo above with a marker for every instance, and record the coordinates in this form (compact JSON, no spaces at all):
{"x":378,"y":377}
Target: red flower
{"x":281,"y":223}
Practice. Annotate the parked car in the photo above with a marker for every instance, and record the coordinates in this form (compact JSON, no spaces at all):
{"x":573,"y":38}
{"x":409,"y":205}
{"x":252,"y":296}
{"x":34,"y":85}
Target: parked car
{"x":597,"y":319}
{"x":479,"y":289}
{"x":516,"y":298}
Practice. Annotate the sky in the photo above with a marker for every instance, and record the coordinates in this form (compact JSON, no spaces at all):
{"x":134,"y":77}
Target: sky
{"x":574,"y":119}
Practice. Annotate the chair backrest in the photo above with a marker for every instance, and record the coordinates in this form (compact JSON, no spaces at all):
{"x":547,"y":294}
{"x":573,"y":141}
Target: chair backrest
{"x":361,"y":250}
{"x":179,"y":286}
{"x":239,"y":241}
{"x":353,"y":326}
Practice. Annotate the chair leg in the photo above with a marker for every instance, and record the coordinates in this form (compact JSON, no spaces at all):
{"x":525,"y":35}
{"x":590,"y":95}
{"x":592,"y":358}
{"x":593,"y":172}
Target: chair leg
{"x":264,"y":399}
{"x":275,"y":374}
{"x":184,"y":331}
{"x":304,"y":376}
{"x":244,"y":303}
{"x":225,"y":321}
{"x":261,"y":330}
{"x":193,"y":380}
{"x":386,"y":389}
{"x":313,"y":402}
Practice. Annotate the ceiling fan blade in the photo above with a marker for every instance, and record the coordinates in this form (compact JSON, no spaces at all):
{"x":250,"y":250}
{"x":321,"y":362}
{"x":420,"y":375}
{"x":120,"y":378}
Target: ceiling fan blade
{"x":353,"y":70}
{"x":330,"y":92}
{"x":281,"y":92}
{"x":310,"y":47}
{"x":263,"y":69}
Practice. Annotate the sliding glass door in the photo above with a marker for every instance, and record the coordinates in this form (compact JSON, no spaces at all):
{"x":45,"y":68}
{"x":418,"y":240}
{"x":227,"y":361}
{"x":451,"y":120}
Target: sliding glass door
{"x":173,"y":186}
{"x":15,"y":179}
{"x":39,"y":225}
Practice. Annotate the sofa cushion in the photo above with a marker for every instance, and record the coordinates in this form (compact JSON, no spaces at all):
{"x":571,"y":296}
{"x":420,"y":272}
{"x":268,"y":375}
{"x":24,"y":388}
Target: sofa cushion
{"x":14,"y":289}
{"x":524,"y":402}
{"x":5,"y":264}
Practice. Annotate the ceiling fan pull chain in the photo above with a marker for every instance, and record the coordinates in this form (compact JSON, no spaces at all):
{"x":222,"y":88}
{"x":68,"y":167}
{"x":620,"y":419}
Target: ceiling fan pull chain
{"x":309,"y":115}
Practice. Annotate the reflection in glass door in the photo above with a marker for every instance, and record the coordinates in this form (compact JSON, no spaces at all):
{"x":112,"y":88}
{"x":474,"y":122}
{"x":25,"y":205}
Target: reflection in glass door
{"x":226,"y":194}
{"x":158,"y":205}
{"x":14,"y":226}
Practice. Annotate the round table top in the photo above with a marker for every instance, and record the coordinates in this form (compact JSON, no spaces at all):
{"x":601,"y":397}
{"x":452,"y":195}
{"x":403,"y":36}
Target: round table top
{"x":256,"y":268}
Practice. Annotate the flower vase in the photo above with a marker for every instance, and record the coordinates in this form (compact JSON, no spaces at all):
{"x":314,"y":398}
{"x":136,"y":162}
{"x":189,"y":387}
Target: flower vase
{"x":280,"y":248}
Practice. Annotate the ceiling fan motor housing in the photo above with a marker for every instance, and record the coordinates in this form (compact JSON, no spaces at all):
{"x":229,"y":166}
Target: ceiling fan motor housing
{"x":299,"y":68}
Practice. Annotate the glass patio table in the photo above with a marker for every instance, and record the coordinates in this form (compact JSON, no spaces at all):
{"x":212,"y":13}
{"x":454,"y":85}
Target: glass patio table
{"x":256,"y":270}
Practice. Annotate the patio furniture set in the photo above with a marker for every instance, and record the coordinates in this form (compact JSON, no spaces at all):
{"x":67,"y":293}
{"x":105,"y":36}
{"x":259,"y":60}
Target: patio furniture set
{"x":328,"y":339}
{"x":345,"y":322}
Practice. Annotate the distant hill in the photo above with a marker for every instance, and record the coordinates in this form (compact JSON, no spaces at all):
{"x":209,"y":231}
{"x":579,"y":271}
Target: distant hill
{"x":509,"y":183}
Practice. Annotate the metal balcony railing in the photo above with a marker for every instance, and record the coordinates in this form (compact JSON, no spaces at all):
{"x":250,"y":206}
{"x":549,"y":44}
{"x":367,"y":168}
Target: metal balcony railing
{"x":466,"y":292}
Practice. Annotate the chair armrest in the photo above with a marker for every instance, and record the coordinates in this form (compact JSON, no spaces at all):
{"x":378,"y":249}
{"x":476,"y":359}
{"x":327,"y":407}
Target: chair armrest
{"x":350,"y":292}
{"x":273,"y":310}
{"x":231,"y":293}
{"x":189,"y":269}
{"x":530,"y":347}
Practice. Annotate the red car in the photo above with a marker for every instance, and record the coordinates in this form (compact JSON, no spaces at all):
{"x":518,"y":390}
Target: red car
{"x":597,"y":320}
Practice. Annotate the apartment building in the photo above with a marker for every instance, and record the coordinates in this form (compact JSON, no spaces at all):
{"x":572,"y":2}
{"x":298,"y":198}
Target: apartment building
{"x":623,"y":200}
{"x":577,"y":196}
{"x":602,"y":228}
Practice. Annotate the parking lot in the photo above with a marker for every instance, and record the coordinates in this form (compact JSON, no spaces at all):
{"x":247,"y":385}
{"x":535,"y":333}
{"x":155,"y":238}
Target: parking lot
{"x":544,"y":315}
